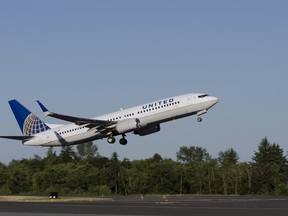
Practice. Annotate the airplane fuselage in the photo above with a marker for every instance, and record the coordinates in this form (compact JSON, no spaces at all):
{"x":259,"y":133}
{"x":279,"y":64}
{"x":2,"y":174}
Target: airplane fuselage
{"x":142,"y":120}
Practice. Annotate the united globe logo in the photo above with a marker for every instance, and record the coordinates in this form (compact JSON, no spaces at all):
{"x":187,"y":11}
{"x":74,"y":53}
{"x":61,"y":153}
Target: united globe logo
{"x":33,"y":125}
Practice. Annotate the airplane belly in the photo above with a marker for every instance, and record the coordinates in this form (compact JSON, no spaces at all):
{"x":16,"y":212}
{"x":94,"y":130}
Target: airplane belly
{"x":83,"y":137}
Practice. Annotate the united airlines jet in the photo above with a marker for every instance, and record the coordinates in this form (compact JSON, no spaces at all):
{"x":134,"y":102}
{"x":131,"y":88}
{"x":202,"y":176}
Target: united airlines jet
{"x":141,"y":120}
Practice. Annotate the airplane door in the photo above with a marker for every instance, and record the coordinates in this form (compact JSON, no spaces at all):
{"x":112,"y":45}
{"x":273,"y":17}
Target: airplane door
{"x":189,"y":100}
{"x":46,"y":137}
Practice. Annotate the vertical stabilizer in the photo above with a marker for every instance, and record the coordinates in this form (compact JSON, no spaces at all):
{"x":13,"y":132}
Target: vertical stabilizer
{"x":28,"y":122}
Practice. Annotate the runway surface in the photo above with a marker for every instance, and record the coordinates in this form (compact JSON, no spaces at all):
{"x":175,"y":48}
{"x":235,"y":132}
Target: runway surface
{"x":154,"y":205}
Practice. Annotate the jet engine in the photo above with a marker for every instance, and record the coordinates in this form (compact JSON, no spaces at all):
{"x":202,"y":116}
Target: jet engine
{"x":149,"y":129}
{"x":127,"y":125}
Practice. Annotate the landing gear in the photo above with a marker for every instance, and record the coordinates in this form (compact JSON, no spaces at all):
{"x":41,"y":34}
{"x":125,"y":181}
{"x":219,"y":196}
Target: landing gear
{"x":111,"y":140}
{"x":123,"y":140}
{"x":199,"y":119}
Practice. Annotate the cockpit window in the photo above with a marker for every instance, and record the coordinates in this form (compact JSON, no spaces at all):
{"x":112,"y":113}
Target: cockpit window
{"x":202,"y":96}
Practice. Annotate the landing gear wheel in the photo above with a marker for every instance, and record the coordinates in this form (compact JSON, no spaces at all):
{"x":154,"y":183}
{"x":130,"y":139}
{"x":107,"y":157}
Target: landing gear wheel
{"x":199,"y":119}
{"x":111,"y":140}
{"x":123,"y":141}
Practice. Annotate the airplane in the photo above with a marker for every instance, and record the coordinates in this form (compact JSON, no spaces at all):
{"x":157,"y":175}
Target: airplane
{"x":141,"y":120}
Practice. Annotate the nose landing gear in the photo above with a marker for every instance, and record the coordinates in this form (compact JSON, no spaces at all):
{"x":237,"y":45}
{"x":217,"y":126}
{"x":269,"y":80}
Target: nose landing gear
{"x":199,"y":119}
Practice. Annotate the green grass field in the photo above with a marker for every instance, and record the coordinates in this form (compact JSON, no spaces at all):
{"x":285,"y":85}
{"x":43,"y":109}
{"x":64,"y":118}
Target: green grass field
{"x":47,"y":199}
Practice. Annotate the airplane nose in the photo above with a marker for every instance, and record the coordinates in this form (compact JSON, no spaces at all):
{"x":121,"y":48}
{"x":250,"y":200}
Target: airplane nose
{"x":214,"y":100}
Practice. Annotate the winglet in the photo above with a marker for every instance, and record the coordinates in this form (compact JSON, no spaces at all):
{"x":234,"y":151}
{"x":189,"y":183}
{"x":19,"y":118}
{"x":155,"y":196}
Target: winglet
{"x":43,"y":108}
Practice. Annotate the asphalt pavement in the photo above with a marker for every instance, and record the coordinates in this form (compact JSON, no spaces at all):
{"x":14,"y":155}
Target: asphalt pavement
{"x":155,"y":205}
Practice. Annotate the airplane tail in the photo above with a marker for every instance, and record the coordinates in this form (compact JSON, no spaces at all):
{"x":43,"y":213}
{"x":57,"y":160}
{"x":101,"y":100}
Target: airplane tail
{"x":28,"y":122}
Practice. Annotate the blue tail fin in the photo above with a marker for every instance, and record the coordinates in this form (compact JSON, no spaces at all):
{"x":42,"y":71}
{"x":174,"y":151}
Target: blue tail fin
{"x":28,"y":122}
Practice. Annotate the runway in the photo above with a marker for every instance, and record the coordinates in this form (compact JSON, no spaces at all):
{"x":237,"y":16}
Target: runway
{"x":155,"y":205}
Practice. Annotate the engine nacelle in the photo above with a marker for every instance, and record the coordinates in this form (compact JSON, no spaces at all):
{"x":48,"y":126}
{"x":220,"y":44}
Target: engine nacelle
{"x":127,"y":125}
{"x":148,"y":130}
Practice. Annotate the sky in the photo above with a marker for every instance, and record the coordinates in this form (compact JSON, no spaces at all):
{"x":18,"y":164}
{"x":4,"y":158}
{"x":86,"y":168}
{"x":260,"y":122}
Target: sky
{"x":88,"y":58}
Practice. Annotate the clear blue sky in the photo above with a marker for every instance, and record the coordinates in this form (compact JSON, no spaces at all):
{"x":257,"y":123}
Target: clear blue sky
{"x":87,"y":58}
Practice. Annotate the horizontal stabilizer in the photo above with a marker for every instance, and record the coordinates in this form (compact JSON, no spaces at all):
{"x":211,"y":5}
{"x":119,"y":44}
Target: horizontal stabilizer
{"x":22,"y":138}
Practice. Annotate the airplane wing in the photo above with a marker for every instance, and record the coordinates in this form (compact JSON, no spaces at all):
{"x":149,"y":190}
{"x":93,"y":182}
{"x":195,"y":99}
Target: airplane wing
{"x":21,"y":138}
{"x":77,"y":120}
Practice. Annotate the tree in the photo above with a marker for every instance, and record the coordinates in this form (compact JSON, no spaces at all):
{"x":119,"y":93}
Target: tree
{"x":67,"y":154}
{"x":269,"y":166}
{"x":3,"y":179}
{"x":212,"y":169}
{"x":87,"y":150}
{"x":194,"y":173}
{"x":139,"y":176}
{"x":228,"y":157}
{"x":228,"y":164}
{"x":162,"y":176}
{"x":187,"y":155}
{"x":269,"y":154}
{"x":198,"y":172}
{"x":51,"y":156}
{"x":19,"y":179}
{"x":156,"y":158}
{"x":115,"y":172}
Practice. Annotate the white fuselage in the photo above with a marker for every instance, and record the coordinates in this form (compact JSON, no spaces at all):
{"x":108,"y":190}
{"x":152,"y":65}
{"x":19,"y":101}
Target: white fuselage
{"x":151,"y":113}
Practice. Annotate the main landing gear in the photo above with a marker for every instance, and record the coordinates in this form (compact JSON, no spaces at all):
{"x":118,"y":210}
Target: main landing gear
{"x":111,"y":140}
{"x":122,"y":141}
{"x":199,"y":119}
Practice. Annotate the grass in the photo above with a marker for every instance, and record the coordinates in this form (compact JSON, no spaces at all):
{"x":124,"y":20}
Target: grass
{"x":47,"y":199}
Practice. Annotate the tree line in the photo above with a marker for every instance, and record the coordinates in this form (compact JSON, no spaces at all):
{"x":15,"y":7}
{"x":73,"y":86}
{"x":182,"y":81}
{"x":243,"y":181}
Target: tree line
{"x":84,"y":171}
